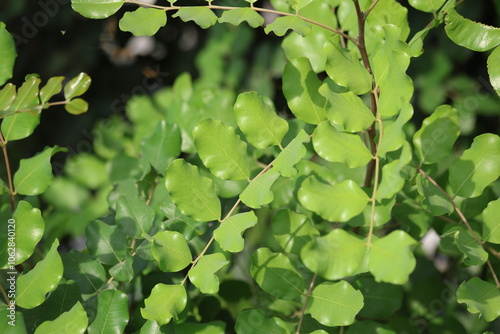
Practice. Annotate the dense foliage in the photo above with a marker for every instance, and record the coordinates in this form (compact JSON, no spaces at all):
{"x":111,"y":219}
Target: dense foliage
{"x":210,"y":210}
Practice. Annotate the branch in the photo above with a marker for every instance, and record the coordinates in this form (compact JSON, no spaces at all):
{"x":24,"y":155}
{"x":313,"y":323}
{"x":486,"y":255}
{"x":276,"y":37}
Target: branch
{"x":3,"y":143}
{"x":303,"y":310}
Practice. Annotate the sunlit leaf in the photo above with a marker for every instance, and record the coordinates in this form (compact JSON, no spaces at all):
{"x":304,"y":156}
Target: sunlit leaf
{"x":292,"y":230}
{"x":163,"y":146}
{"x":171,"y":251}
{"x":202,"y":275}
{"x":51,"y":88}
{"x":96,"y":9}
{"x":477,"y":167}
{"x":143,"y":21}
{"x":254,"y":321}
{"x":493,"y":69}
{"x":33,"y":286}
{"x":335,"y":304}
{"x":77,"y":106}
{"x":238,"y":15}
{"x":392,"y":179}
{"x":112,"y":313}
{"x":481,"y":297}
{"x":284,"y":23}
{"x":491,"y":227}
{"x":258,"y":192}
{"x":106,"y":242}
{"x":7,"y":97}
{"x":164,"y":303}
{"x":8,"y":54}
{"x":77,"y":86}
{"x":19,"y":126}
{"x":291,"y":155}
{"x":134,"y":216}
{"x":74,"y":321}
{"x":192,"y":193}
{"x":429,"y":6}
{"x":202,"y":16}
{"x":27,"y":94}
{"x":229,"y":233}
{"x":85,"y":270}
{"x":275,"y":274}
{"x":221,"y":150}
{"x":394,"y":135}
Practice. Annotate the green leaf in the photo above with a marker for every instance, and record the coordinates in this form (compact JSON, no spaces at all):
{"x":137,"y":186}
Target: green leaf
{"x":292,"y":230}
{"x":258,"y":120}
{"x":258,"y":192}
{"x":477,"y":167}
{"x":134,"y":216}
{"x":143,"y":21}
{"x":473,"y":252}
{"x":376,"y":295}
{"x":301,"y":89}
{"x":392,"y":179}
{"x":254,"y":321}
{"x":284,"y":23}
{"x":337,"y":203}
{"x":112,"y":313}
{"x":469,"y":34}
{"x":171,"y":251}
{"x":236,"y":16}
{"x":229,"y":233}
{"x":106,"y":242}
{"x":202,"y":275}
{"x":27,"y":95}
{"x":85,"y":270}
{"x":7,"y":54}
{"x":276,"y":274}
{"x":7,"y":97}
{"x":491,"y":227}
{"x":434,"y":141}
{"x":77,"y":106}
{"x":35,"y":174}
{"x":192,"y":193}
{"x":391,"y":260}
{"x":334,"y":256}
{"x":338,"y":146}
{"x":19,"y":126}
{"x":345,"y":68}
{"x":42,"y":279}
{"x":51,"y":88}
{"x":163,"y":146}
{"x":347,"y":110}
{"x":27,"y":231}
{"x":87,"y":169}
{"x":73,"y":321}
{"x":434,"y":200}
{"x":429,"y":6}
{"x":96,"y":9}
{"x":77,"y":86}
{"x":493,"y":70}
{"x":335,"y":304}
{"x":291,"y":155}
{"x":213,"y":327}
{"x":221,"y":150}
{"x":481,"y":297}
{"x":202,"y":16}
{"x":123,"y":270}
{"x":394,"y":135}
{"x":164,"y":303}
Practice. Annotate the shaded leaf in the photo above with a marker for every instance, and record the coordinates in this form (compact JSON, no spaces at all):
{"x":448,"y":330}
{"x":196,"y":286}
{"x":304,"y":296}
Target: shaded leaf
{"x":164,"y":303}
{"x":171,"y":251}
{"x":284,"y":23}
{"x":254,"y":321}
{"x":8,"y":54}
{"x":493,"y":69}
{"x":236,"y":16}
{"x":291,"y":155}
{"x":434,"y":200}
{"x":77,"y":86}
{"x":473,"y":252}
{"x":258,"y":192}
{"x":112,"y":313}
{"x":84,"y":270}
{"x":73,"y":321}
{"x":392,"y":179}
{"x":96,"y":9}
{"x":143,"y":21}
{"x":491,"y":227}
{"x":481,"y":297}
{"x":123,"y":270}
{"x":292,"y":230}
{"x":134,"y":216}
{"x":106,"y":242}
{"x":213,"y":327}
{"x":203,"y":276}
{"x":202,"y":16}
{"x":394,"y":135}
{"x":378,"y":294}
{"x":229,"y":233}
{"x":163,"y":146}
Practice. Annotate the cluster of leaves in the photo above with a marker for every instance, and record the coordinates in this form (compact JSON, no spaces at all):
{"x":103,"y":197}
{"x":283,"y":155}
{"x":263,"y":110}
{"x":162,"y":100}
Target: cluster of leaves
{"x":209,"y":212}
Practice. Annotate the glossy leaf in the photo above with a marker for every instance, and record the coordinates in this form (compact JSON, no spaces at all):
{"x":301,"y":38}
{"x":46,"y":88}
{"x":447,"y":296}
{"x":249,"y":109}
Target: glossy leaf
{"x":434,"y":141}
{"x":106,"y":242}
{"x":51,"y":88}
{"x":434,"y":200}
{"x":19,"y":126}
{"x":429,"y":6}
{"x":27,"y":94}
{"x":192,"y":193}
{"x":7,"y":54}
{"x":275,"y":274}
{"x":134,"y":216}
{"x":7,"y":96}
{"x":255,"y":321}
{"x":123,"y":270}
{"x":112,"y":313}
{"x":29,"y":229}
{"x":292,"y":230}
{"x":165,"y":303}
{"x":284,"y":23}
{"x":143,"y":21}
{"x":391,"y":260}
{"x":74,"y":321}
{"x":77,"y":106}
{"x":203,"y":276}
{"x":96,"y":9}
{"x":236,"y":16}
{"x":347,"y":110}
{"x":338,"y":146}
{"x":493,"y":69}
{"x":258,"y":120}
{"x":35,"y":174}
{"x":335,"y":304}
{"x":85,"y":270}
{"x":163,"y":146}
{"x":491,"y":227}
{"x":477,"y":167}
{"x":345,"y":68}
{"x":33,"y":286}
{"x":202,"y":16}
{"x":394,"y":135}
{"x":229,"y":233}
{"x":77,"y":86}
{"x":301,"y":89}
{"x":392,"y":179}
{"x":171,"y":251}
{"x":221,"y":150}
{"x":481,"y":297}
{"x":291,"y":155}
{"x":472,"y":35}
{"x":258,"y":192}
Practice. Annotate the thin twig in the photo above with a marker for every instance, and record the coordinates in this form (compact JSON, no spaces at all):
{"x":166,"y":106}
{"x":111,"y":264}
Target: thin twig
{"x":304,"y":306}
{"x":9,"y":174}
{"x":4,"y":293}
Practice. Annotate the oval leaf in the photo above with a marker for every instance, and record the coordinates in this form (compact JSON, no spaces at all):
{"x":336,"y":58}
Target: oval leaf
{"x":112,"y":313}
{"x":254,"y":321}
{"x":429,"y":6}
{"x":258,"y":192}
{"x":106,"y":242}
{"x":8,"y":54}
{"x":134,"y":216}
{"x":236,"y":16}
{"x":493,"y":69}
{"x":143,"y":21}
{"x":202,"y":275}
{"x":77,"y":86}
{"x":51,"y":88}
{"x":491,"y":227}
{"x":163,"y":146}
{"x":229,"y":233}
{"x":171,"y":251}
{"x":7,"y":97}
{"x":96,"y":9}
{"x":85,"y":270}
{"x":164,"y":303}
{"x":284,"y":23}
{"x":291,"y":155}
{"x":202,"y":16}
{"x":74,"y":321}
{"x":19,"y":126}
{"x":481,"y":297}
{"x":77,"y":106}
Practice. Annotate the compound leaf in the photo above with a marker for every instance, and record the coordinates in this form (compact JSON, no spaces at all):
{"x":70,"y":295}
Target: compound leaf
{"x":143,"y":21}
{"x":229,"y":233}
{"x":96,"y":9}
{"x":171,"y":250}
{"x":202,"y":16}
{"x":202,"y":275}
{"x":236,"y":16}
{"x":112,"y":313}
{"x":481,"y":297}
{"x":164,"y":303}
